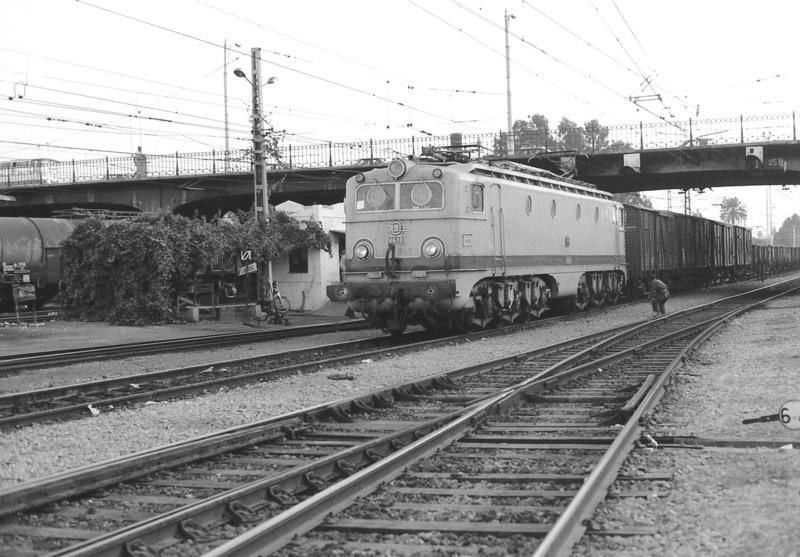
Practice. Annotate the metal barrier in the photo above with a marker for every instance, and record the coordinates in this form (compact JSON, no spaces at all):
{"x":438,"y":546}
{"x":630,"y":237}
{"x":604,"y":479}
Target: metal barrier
{"x":604,"y":139}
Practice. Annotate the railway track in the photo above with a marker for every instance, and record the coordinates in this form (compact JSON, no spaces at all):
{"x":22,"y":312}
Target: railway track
{"x":516,"y":452}
{"x":83,"y":399}
{"x":39,"y":316}
{"x":14,"y":362}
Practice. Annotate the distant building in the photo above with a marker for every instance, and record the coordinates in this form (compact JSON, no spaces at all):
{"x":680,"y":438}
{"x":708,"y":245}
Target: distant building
{"x":303,"y":276}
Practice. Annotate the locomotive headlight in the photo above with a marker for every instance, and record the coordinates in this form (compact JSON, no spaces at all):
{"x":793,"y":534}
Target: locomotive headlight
{"x":363,"y":250}
{"x":432,"y":248}
{"x":397,"y":168}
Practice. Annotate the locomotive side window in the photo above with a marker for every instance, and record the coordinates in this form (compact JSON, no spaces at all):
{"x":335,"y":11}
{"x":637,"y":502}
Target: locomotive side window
{"x":375,"y":197}
{"x":421,"y":195}
{"x":477,"y":198}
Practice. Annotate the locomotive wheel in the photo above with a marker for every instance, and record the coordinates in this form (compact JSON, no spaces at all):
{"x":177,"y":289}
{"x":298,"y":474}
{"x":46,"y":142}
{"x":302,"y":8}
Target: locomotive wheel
{"x":464,"y":321}
{"x":583,"y":298}
{"x":600,"y":299}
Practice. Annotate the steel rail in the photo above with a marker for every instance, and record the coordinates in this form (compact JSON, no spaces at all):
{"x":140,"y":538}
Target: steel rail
{"x":570,"y":526}
{"x":541,"y":380}
{"x":76,"y":482}
{"x":15,"y":362}
{"x":276,"y":532}
{"x":59,"y":395}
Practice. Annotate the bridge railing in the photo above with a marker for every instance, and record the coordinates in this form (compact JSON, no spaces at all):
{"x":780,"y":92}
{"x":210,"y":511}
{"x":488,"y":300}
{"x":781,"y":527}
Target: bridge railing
{"x":605,"y":139}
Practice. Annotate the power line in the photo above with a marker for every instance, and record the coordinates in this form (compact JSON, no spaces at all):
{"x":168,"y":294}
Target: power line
{"x":283,"y":66}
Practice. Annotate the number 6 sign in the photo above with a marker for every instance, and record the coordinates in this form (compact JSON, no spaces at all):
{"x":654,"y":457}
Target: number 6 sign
{"x":789,"y":414}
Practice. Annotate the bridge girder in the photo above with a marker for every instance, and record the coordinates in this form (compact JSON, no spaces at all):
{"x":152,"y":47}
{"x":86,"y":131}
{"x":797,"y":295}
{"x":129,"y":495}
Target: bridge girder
{"x":705,"y":166}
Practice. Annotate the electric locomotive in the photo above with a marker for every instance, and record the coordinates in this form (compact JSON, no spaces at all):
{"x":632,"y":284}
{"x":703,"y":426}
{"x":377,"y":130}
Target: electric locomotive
{"x":477,"y":243}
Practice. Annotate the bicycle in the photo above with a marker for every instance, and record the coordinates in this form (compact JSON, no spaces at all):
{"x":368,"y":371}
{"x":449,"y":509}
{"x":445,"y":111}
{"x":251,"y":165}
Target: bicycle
{"x":275,"y":305}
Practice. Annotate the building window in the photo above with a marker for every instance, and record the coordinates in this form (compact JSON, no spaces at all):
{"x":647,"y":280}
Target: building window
{"x":298,"y":261}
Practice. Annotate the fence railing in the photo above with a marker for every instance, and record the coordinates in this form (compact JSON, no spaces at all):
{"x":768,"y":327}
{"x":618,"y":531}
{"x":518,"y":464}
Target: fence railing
{"x":605,"y":139}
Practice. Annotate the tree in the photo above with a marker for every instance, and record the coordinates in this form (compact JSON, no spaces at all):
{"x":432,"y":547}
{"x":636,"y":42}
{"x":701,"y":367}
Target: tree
{"x":733,"y":211}
{"x":130,"y":272}
{"x":571,"y":137}
{"x":533,"y":136}
{"x":634,"y":198}
{"x":596,"y":136}
{"x":789,"y":232}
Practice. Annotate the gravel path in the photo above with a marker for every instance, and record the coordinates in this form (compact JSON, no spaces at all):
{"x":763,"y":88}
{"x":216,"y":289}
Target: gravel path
{"x":726,"y":502}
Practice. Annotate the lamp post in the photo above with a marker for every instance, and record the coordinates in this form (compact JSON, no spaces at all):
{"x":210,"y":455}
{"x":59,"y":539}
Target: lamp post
{"x":259,"y":142}
{"x":510,"y":138}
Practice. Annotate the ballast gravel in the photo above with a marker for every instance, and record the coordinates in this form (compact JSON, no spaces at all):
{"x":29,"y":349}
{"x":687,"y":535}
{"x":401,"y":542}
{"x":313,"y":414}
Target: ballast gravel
{"x":722,"y":501}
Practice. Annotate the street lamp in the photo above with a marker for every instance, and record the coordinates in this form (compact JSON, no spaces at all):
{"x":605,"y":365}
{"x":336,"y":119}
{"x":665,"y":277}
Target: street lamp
{"x":259,"y":143}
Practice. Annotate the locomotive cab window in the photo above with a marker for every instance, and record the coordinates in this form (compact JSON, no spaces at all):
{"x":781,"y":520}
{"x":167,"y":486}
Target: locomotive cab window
{"x":477,"y":198}
{"x":375,"y":197}
{"x":399,"y":196}
{"x":421,"y":195}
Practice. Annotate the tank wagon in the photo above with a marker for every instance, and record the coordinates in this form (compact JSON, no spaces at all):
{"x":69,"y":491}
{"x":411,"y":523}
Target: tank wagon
{"x":448,"y":244}
{"x":30,"y":254}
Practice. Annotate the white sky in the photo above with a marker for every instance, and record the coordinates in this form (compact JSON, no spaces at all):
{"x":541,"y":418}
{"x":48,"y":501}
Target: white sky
{"x":100,"y":77}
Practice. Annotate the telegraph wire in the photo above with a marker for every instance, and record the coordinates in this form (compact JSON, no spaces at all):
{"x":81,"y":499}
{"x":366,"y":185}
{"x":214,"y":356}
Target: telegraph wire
{"x":577,"y":36}
{"x":450,"y":24}
{"x":283,"y":66}
{"x":557,"y":60}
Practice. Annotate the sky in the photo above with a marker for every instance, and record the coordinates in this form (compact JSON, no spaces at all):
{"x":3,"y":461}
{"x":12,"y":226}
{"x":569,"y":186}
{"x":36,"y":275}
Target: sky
{"x":94,"y":78}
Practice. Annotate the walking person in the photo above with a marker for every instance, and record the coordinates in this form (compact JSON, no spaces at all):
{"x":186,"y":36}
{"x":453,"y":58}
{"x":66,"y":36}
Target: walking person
{"x":659,"y":294}
{"x":140,"y":162}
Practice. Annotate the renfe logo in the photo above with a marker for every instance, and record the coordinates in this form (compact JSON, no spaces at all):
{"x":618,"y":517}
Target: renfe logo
{"x":396,"y":228}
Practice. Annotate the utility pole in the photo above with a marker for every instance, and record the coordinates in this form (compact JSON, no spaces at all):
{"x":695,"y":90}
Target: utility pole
{"x":259,"y":143}
{"x":510,"y":138}
{"x":769,"y":214}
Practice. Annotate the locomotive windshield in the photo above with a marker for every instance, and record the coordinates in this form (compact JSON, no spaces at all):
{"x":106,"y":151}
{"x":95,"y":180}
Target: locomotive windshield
{"x":400,"y":196}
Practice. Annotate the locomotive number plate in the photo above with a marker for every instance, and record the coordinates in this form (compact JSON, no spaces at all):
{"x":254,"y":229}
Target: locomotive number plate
{"x":397,"y":240}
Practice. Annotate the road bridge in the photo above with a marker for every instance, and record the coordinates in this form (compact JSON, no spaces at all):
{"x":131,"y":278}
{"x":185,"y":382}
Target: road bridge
{"x":688,"y":155}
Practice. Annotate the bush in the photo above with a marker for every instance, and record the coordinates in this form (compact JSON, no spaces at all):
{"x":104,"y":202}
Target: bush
{"x":130,"y":272}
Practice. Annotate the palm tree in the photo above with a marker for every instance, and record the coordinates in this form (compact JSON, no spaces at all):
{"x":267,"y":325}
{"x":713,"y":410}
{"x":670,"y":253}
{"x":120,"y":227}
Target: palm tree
{"x":733,"y":211}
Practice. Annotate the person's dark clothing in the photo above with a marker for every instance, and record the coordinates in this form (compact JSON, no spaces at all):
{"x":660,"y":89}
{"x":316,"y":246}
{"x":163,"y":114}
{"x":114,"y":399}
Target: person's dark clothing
{"x":659,"y":294}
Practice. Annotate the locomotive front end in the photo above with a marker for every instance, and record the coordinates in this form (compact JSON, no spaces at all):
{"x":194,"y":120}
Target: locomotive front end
{"x":398,"y":270}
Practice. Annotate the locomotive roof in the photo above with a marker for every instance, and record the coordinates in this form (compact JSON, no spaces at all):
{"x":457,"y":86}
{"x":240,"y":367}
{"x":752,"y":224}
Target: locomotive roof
{"x":516,"y":172}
